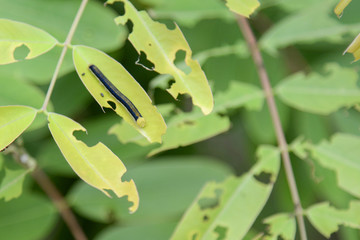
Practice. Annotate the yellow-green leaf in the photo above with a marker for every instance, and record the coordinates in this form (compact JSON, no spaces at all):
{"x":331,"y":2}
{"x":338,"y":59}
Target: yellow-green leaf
{"x":15,"y":34}
{"x":13,"y":121}
{"x":233,"y":205}
{"x":161,"y":45}
{"x":281,"y":226}
{"x":243,"y":7}
{"x":326,"y":219}
{"x":354,"y":48}
{"x":340,"y":7}
{"x":84,"y":56}
{"x":96,"y":165}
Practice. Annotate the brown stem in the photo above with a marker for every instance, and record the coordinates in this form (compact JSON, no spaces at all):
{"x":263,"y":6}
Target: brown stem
{"x":264,"y":78}
{"x":49,"y":188}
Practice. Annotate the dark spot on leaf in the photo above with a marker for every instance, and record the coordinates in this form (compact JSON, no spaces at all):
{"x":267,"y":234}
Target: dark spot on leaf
{"x":101,"y":94}
{"x":221,"y":231}
{"x":150,"y":44}
{"x":194,"y":236}
{"x":21,"y":52}
{"x":205,"y":218}
{"x":263,"y":177}
{"x":142,"y":61}
{"x":180,"y":61}
{"x":210,"y":203}
{"x":83,"y":74}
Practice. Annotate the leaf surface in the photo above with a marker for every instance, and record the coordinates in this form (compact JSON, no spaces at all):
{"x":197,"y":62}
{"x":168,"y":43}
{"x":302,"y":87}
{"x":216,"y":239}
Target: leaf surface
{"x":96,"y":165}
{"x":15,"y":34}
{"x":161,"y":46}
{"x":243,"y":7}
{"x":342,"y":156}
{"x":321,"y":93}
{"x":84,"y":56}
{"x":231,"y":207}
{"x":14,"y":120}
{"x":326,"y":219}
{"x":281,"y":226}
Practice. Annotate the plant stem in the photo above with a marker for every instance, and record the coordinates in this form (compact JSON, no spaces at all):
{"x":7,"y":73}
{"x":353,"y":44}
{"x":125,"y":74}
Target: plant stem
{"x":63,"y":52}
{"x":22,"y":157}
{"x":69,"y":218}
{"x":264,"y":78}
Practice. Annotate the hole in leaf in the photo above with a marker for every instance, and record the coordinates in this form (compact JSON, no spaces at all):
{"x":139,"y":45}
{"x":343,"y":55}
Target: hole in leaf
{"x":180,"y":61}
{"x":21,"y":52}
{"x":221,"y":231}
{"x":210,"y":203}
{"x":130,"y":26}
{"x":142,"y":61}
{"x":119,"y":7}
{"x":185,"y":103}
{"x":83,"y":137}
{"x":112,"y":105}
{"x":263,"y":177}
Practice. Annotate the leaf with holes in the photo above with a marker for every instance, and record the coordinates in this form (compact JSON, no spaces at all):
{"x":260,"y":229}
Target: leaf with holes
{"x":216,"y":209}
{"x":243,"y":7}
{"x":191,"y":127}
{"x":96,"y":165}
{"x":321,"y":93}
{"x":15,"y":34}
{"x":84,"y":56}
{"x":354,"y":48}
{"x":340,"y":7}
{"x":326,"y":219}
{"x":161,"y":46}
{"x":281,"y":226}
{"x":14,"y":120}
{"x":342,"y":156}
{"x":12,"y":183}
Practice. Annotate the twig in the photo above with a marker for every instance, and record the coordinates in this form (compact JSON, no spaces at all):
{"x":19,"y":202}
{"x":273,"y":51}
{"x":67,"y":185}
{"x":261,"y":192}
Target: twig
{"x":49,"y":188}
{"x":21,"y":156}
{"x":63,"y":52}
{"x":264,"y":78}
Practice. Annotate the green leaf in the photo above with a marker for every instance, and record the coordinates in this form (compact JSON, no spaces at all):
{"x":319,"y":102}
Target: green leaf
{"x":14,"y":120}
{"x":342,"y":156}
{"x":161,"y":46}
{"x":12,"y":183}
{"x":84,"y":56}
{"x":15,"y":34}
{"x":188,"y":12}
{"x":321,"y":94}
{"x":326,"y":219}
{"x":56,"y":17}
{"x":296,"y":28}
{"x":187,"y":173}
{"x":191,"y":127}
{"x":354,"y":48}
{"x":186,"y":129}
{"x":149,"y":231}
{"x":34,"y":215}
{"x":216,"y":210}
{"x":340,"y":7}
{"x":10,"y":93}
{"x":239,"y":49}
{"x":243,"y":7}
{"x":281,"y":226}
{"x":96,"y":165}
